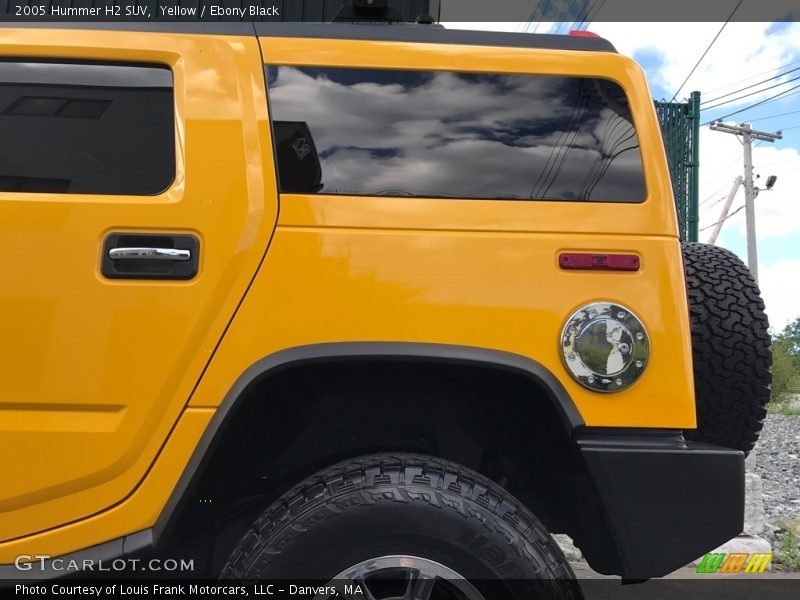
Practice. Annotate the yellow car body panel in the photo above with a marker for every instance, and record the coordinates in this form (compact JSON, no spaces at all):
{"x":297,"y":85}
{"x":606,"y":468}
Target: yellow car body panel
{"x":134,"y":513}
{"x":96,"y":371}
{"x":418,"y":270}
{"x":101,"y":446}
{"x":369,"y":285}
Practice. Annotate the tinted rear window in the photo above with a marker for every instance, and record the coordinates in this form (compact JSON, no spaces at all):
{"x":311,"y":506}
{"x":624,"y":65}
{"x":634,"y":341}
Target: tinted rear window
{"x":86,"y":128}
{"x":453,"y":135}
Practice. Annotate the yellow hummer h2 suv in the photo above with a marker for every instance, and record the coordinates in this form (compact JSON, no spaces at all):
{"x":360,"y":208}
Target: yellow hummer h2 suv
{"x":336,"y":300}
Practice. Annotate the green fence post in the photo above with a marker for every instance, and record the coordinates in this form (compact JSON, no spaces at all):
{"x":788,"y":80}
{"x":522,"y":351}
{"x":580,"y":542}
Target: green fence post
{"x":694,"y":190}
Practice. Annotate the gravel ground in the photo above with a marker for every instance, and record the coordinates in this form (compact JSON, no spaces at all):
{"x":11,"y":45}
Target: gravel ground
{"x":778,"y":464}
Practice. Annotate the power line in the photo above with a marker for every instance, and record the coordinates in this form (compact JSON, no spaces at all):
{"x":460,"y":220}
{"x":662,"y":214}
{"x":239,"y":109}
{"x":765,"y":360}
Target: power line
{"x":694,"y":68}
{"x":721,"y":188}
{"x":711,"y":197}
{"x":725,"y":219}
{"x":713,"y":204}
{"x":728,"y":85}
{"x":532,"y":5}
{"x":566,"y":15}
{"x":787,"y":164}
{"x":792,"y":94}
{"x":717,"y":201}
{"x":541,"y":12}
{"x":741,"y":110}
{"x":751,"y":86}
{"x":750,"y":94}
{"x":577,"y":117}
{"x":792,"y":112}
{"x":590,"y":16}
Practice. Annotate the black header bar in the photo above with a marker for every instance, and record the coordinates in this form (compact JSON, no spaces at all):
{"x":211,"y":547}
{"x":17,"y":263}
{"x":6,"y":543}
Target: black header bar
{"x":580,"y":12}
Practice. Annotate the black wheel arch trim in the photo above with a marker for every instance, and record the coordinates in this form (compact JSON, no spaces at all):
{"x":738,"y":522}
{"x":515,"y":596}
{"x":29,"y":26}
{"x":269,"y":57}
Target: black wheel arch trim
{"x":343,"y":351}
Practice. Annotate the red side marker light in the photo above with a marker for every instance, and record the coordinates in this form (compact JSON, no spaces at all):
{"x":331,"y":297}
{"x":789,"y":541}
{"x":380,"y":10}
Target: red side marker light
{"x":580,"y":33}
{"x":598,"y":262}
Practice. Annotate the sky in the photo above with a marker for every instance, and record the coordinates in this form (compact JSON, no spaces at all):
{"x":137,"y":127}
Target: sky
{"x":743,"y":55}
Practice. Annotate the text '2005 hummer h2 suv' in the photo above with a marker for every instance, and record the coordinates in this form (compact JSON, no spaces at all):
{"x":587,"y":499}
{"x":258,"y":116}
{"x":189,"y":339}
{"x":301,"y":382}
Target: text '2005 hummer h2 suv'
{"x":328,"y":300}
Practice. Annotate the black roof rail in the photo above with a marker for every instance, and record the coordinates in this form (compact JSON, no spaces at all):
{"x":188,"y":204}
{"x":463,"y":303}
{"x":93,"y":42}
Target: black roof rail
{"x":431,"y":34}
{"x":364,"y":30}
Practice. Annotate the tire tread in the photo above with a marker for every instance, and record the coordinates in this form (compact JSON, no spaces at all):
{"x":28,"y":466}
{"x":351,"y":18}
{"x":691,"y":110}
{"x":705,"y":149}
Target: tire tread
{"x":278,"y":525}
{"x":730,"y":347}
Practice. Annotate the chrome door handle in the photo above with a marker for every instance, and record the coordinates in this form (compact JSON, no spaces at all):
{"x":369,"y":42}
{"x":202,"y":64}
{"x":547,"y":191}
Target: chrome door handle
{"x":149,"y":254}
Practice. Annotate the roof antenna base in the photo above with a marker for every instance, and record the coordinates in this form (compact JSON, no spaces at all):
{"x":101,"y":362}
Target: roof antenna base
{"x":368,"y":11}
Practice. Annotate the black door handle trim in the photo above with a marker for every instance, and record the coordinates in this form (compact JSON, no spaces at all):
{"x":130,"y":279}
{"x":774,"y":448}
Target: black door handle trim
{"x":156,"y":256}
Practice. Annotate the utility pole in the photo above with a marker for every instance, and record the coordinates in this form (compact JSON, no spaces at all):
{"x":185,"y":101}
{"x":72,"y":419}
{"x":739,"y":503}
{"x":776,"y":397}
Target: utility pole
{"x":725,"y":209}
{"x":748,"y":134}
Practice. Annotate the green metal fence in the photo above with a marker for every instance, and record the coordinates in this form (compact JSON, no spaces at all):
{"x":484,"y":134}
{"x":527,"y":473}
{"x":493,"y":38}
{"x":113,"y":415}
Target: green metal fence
{"x":680,"y":127}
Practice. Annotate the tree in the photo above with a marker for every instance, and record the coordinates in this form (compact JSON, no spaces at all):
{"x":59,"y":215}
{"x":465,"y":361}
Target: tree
{"x":791,"y":335}
{"x":786,"y":362}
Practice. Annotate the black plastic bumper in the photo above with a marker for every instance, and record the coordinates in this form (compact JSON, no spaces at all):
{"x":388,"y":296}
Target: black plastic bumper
{"x":666,"y":501}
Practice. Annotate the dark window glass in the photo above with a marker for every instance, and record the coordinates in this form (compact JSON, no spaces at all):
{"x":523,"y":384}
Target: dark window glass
{"x":456,"y":135}
{"x":86,"y":128}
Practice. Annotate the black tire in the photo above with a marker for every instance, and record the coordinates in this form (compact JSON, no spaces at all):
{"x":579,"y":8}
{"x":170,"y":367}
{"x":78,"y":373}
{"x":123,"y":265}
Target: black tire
{"x":405,"y":504}
{"x":730,"y":348}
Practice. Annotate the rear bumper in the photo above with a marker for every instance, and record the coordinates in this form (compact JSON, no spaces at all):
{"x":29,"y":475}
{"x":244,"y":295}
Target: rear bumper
{"x":666,"y":501}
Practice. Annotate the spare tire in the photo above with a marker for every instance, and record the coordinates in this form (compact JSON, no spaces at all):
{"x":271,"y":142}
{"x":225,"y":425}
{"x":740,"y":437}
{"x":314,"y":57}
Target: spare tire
{"x":730,"y":348}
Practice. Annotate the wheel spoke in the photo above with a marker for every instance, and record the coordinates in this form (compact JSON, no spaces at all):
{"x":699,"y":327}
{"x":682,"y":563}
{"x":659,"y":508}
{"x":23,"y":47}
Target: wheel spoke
{"x":366,"y":594}
{"x":467,"y":590}
{"x":344,"y":591}
{"x":423,"y":575}
{"x":420,"y":587}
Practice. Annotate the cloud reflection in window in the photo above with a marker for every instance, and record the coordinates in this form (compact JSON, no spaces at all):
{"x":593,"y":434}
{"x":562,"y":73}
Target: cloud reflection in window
{"x":463,"y":135}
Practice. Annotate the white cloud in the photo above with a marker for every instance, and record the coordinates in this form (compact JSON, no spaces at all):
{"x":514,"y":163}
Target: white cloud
{"x":743,"y":50}
{"x":780,"y":286}
{"x":777,"y":212}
